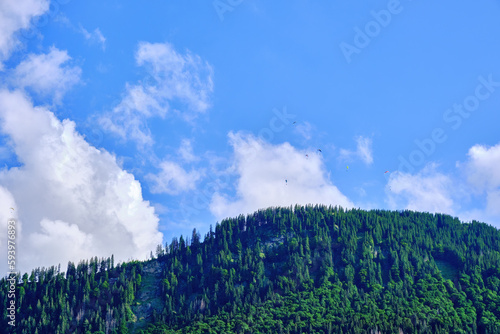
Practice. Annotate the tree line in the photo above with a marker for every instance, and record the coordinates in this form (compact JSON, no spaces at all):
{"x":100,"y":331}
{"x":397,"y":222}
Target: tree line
{"x":301,"y":269}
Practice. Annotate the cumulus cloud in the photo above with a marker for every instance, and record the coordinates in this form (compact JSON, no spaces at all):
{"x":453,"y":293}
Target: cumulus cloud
{"x":95,"y":36}
{"x":483,"y":172}
{"x":262,"y":169}
{"x":14,"y":16}
{"x":72,"y":199}
{"x":173,"y":179}
{"x":427,"y":190}
{"x":47,"y":74}
{"x":173,"y":78}
{"x":471,"y":194}
{"x":363,"y":151}
{"x":483,"y":176}
{"x":58,"y":237}
{"x":7,"y":202}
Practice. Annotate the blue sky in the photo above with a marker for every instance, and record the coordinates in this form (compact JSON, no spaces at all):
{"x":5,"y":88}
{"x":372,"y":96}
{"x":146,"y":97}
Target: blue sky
{"x":127,"y":123}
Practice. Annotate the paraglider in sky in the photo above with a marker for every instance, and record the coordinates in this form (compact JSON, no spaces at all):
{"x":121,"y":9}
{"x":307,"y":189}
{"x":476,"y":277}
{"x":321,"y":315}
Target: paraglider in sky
{"x":294,"y":122}
{"x":346,"y":168}
{"x":307,"y":155}
{"x":319,"y":150}
{"x":386,"y":172}
{"x":286,"y":182}
{"x":12,"y":209}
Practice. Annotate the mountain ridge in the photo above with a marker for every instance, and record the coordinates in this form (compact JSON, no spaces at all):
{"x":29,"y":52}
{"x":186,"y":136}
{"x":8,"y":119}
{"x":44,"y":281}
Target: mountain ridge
{"x":312,"y":269}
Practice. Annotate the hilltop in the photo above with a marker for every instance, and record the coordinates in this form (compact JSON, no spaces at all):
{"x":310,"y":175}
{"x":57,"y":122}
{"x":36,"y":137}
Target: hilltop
{"x":312,"y":269}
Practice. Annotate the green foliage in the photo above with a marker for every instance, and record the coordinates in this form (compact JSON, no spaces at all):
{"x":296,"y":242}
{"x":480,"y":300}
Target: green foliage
{"x":311,"y":269}
{"x":91,"y":298}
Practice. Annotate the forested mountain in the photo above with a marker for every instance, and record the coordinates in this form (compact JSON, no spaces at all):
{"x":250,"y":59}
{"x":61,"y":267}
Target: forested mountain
{"x":312,"y":269}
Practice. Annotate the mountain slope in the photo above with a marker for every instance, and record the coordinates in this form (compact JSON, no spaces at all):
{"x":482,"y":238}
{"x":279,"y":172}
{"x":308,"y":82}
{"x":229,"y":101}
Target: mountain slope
{"x":312,"y":269}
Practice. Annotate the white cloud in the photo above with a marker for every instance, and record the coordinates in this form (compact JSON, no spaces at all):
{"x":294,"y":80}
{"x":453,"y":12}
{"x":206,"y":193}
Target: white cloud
{"x":46,"y":74}
{"x":475,"y":195}
{"x":186,"y":151}
{"x":14,"y":16}
{"x":304,"y":129}
{"x":95,"y":36}
{"x":185,"y":77}
{"x":68,"y":193}
{"x":480,"y":215}
{"x":428,"y":191}
{"x":482,"y":167}
{"x":173,"y":78}
{"x":483,"y":176}
{"x":262,"y":169}
{"x":493,"y":203}
{"x":6,"y":213}
{"x":363,"y":151}
{"x":128,"y":119}
{"x":58,"y":237}
{"x":173,"y":179}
